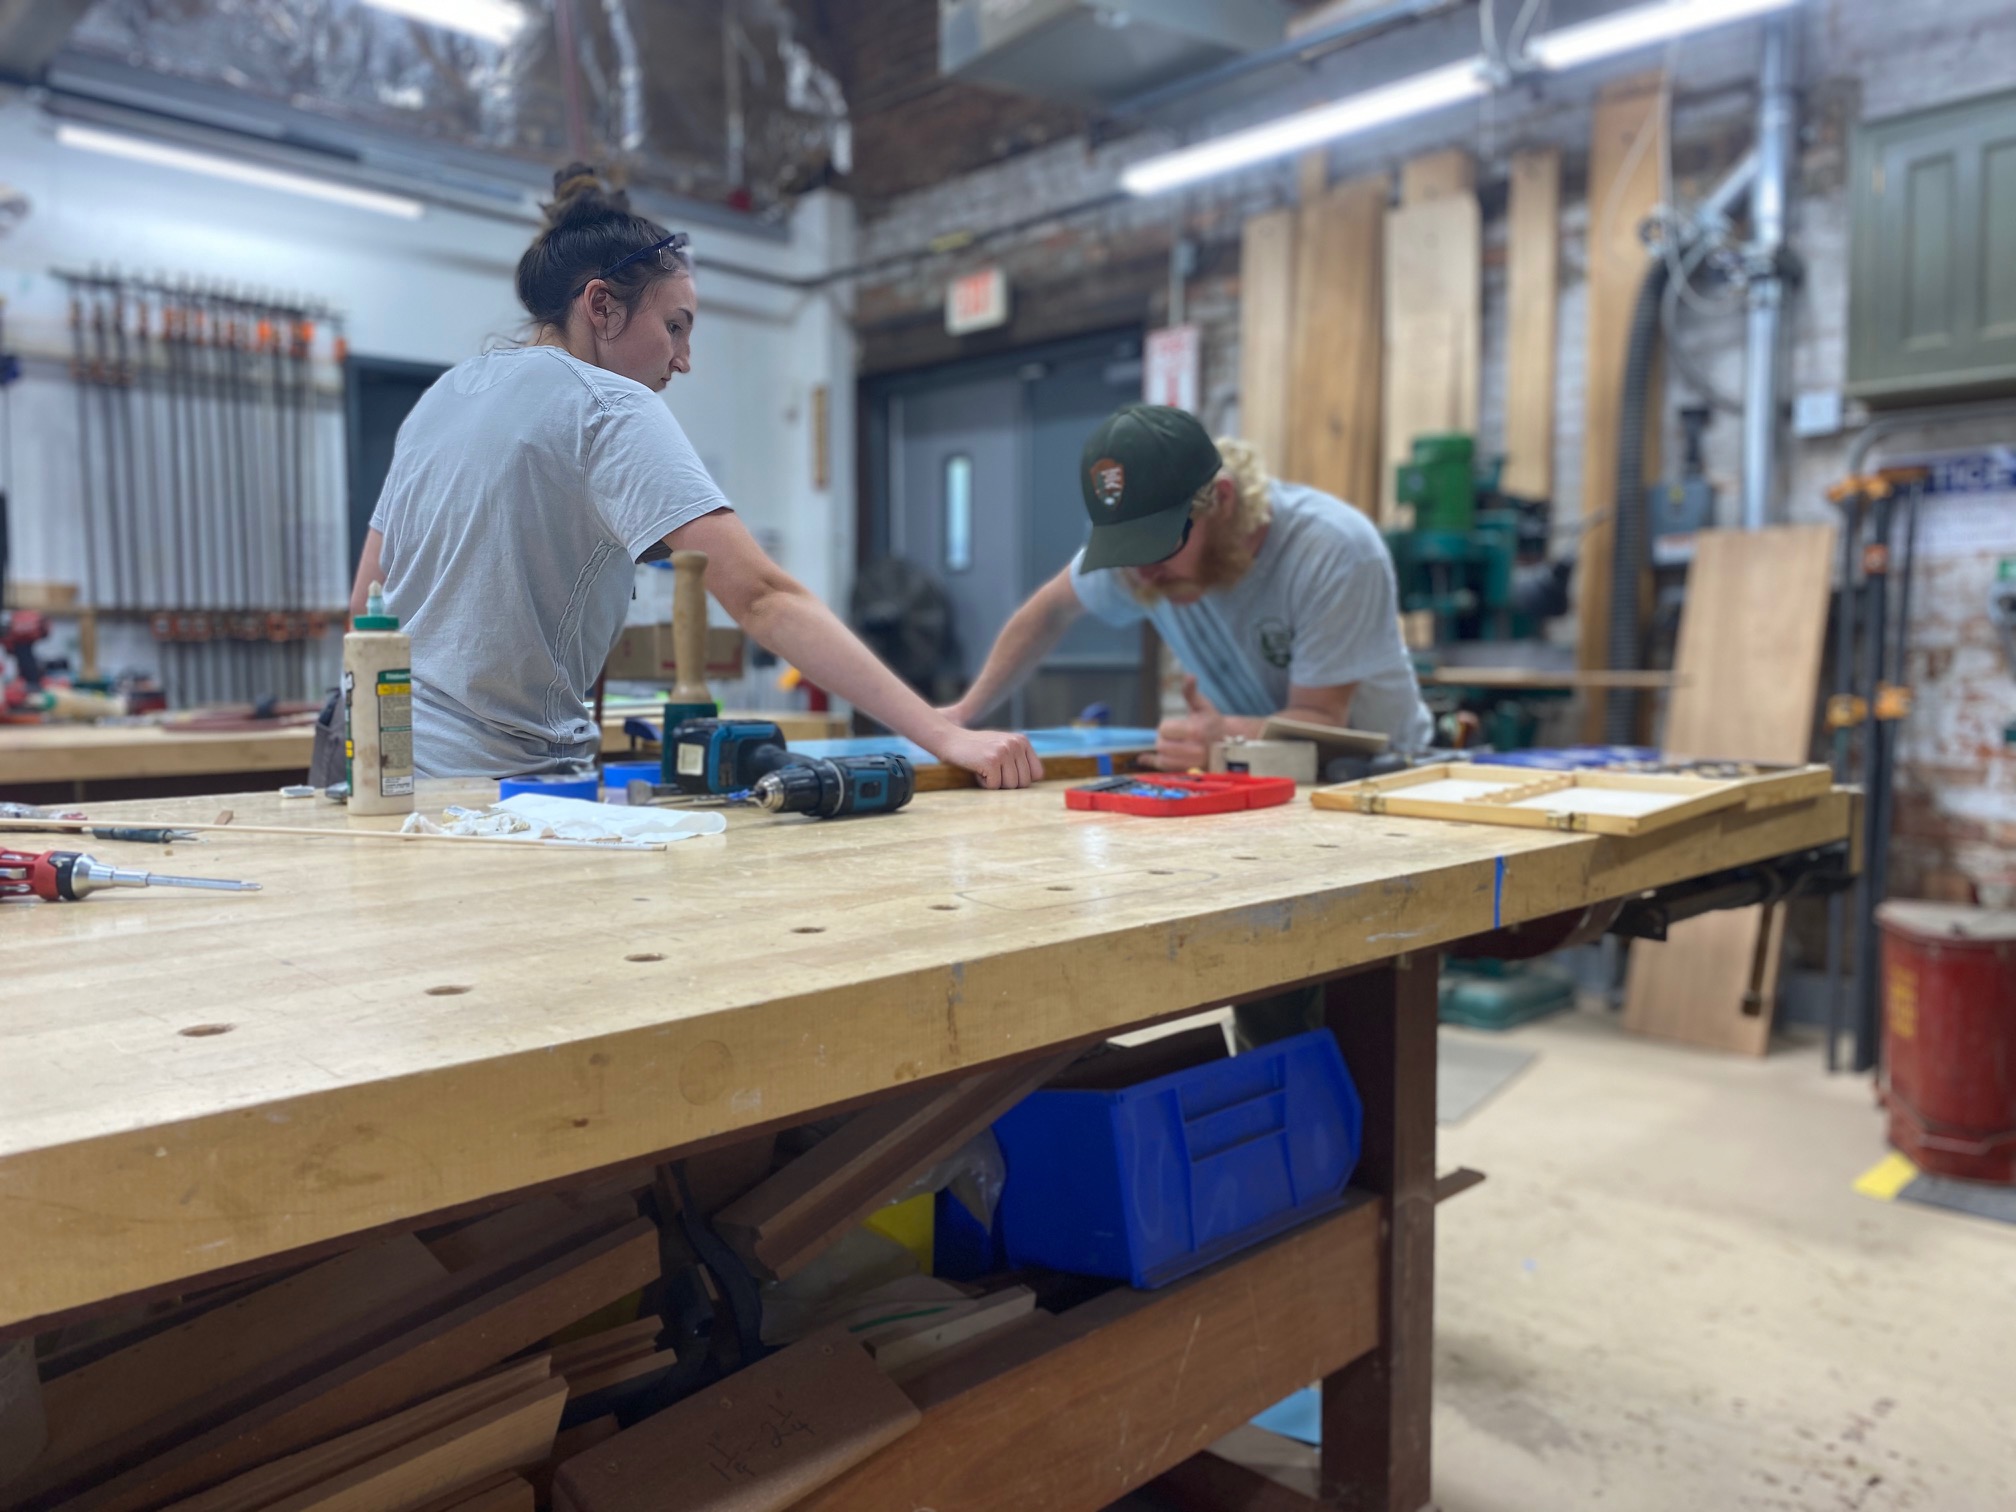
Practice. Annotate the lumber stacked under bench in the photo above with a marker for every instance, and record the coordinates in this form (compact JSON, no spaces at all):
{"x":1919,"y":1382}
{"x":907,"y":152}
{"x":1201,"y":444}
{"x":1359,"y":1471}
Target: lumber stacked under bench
{"x":381,"y":1380}
{"x":517,"y":1361}
{"x":429,"y":1372}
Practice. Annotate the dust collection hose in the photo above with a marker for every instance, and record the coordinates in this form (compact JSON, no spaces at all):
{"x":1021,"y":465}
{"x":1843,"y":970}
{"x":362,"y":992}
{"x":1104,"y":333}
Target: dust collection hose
{"x":1630,"y":550}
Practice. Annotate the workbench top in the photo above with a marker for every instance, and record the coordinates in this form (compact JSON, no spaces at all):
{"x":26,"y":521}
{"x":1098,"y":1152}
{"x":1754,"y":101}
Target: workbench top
{"x":111,"y":753}
{"x":190,"y":1081}
{"x":101,"y":753}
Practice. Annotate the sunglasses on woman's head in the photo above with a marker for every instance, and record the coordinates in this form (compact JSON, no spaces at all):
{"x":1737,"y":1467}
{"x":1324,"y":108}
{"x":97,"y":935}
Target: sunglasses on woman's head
{"x":667,"y":252}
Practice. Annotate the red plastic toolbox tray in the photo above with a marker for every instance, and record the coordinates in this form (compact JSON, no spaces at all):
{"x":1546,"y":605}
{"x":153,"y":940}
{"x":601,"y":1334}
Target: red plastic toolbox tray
{"x":1217,"y":793}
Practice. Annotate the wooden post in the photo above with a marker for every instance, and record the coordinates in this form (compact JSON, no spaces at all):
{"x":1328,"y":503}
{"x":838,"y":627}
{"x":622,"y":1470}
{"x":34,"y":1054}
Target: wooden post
{"x":1376,"y":1411}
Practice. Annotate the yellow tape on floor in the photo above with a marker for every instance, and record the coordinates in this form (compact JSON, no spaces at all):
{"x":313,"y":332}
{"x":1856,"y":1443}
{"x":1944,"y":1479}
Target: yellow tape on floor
{"x":1886,"y":1178}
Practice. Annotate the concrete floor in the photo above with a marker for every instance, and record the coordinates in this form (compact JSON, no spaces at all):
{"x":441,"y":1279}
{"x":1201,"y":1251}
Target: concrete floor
{"x":1667,"y":1298}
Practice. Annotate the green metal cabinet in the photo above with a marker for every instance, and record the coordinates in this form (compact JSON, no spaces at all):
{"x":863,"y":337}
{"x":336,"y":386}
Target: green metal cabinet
{"x":1932,"y":269}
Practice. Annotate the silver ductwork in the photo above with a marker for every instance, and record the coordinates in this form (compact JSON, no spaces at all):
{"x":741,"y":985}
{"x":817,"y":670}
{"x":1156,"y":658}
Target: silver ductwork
{"x":1092,"y":52}
{"x":645,"y":87}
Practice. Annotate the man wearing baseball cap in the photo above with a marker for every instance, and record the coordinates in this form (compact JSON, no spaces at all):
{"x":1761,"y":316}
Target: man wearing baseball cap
{"x":1276,"y":599}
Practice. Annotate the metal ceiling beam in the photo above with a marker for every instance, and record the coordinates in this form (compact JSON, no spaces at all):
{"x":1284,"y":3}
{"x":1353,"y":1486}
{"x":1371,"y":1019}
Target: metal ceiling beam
{"x":31,"y":32}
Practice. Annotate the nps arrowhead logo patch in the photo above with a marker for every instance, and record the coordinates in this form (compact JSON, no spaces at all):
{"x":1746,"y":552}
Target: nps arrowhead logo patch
{"x":1109,"y":482}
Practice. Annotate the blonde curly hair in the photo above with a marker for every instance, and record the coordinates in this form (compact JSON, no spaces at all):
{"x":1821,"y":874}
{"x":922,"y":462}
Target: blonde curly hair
{"x":1247,"y":469}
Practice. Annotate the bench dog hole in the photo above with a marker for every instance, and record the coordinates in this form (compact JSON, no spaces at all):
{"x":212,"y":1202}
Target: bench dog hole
{"x":204,"y":1031}
{"x":453,"y":990}
{"x":645,"y":955}
{"x":810,"y":929}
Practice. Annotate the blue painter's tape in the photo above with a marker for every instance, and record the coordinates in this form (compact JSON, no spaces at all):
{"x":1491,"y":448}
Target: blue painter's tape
{"x":1498,"y":896}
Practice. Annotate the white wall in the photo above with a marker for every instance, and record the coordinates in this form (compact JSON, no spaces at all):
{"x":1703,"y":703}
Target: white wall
{"x":433,"y":290}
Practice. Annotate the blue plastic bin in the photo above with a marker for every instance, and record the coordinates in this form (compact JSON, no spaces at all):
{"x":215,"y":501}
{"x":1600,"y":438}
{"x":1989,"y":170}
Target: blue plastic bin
{"x":1149,"y":1182}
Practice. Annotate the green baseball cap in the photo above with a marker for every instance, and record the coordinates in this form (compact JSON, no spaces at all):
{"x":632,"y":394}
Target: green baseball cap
{"x":1141,"y":468}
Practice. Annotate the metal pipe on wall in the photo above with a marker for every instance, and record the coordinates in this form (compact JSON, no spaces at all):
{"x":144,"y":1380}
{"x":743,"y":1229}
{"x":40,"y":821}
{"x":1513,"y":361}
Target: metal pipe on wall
{"x":1776,"y":122}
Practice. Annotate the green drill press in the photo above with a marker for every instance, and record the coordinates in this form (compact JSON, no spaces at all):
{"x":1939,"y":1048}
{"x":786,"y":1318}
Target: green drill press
{"x":1470,"y":554}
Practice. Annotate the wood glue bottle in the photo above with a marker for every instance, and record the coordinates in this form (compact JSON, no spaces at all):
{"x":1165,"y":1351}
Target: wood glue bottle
{"x":378,"y":711}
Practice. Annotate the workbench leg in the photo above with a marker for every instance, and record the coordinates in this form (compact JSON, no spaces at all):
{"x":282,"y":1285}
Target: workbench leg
{"x":1376,"y":1411}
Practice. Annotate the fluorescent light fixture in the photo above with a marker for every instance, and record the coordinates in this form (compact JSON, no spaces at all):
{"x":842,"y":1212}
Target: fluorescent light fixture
{"x":1308,"y":128}
{"x":495,"y":21}
{"x":161,"y":154}
{"x":1641,"y":26}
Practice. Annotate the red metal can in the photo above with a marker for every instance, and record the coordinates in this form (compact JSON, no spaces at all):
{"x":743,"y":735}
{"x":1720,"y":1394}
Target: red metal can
{"x":1949,"y":1037}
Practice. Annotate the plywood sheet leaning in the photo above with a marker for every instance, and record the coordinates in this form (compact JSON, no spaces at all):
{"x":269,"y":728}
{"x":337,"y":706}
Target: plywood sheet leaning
{"x":1532,"y":298}
{"x":1433,"y":311}
{"x":1714,"y":981}
{"x":1627,"y":148}
{"x":1334,"y":404}
{"x":1266,"y":331}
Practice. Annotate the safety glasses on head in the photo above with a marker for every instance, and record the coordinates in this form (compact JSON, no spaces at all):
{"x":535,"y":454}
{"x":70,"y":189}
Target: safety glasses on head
{"x":668,"y":251}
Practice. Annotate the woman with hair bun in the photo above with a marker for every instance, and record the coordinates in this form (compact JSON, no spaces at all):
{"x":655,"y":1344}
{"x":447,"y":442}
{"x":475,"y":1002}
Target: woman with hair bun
{"x":527,"y":482}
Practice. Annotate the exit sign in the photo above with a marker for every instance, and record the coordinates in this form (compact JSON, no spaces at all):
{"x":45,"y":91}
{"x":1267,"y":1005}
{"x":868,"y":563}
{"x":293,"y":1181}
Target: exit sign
{"x":977,"y":302}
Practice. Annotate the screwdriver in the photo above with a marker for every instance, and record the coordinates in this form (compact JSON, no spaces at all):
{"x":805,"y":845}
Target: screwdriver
{"x":68,"y":877}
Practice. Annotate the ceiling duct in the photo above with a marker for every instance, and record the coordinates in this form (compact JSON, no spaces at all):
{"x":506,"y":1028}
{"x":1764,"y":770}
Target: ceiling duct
{"x":714,"y":100}
{"x":1089,"y":53}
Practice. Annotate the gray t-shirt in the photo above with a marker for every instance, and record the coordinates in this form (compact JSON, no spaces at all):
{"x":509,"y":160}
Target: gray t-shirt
{"x":1318,"y":610}
{"x":525,"y":486}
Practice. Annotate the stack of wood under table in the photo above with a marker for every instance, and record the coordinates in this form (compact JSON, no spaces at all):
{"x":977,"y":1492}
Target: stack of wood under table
{"x":544,"y":1355}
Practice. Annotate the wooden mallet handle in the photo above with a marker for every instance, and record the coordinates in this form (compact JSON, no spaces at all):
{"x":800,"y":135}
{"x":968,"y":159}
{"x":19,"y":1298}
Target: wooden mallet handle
{"x":689,"y":628}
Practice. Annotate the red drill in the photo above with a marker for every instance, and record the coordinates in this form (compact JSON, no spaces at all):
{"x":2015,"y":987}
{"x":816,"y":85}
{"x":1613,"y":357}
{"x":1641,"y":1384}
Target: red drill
{"x":67,"y":877}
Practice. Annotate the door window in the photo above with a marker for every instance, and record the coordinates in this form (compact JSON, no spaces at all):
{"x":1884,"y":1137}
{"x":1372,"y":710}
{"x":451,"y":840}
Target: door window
{"x":958,"y":512}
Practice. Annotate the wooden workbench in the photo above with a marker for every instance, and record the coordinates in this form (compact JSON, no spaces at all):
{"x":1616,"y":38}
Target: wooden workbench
{"x":193,"y":1083}
{"x":65,"y":763}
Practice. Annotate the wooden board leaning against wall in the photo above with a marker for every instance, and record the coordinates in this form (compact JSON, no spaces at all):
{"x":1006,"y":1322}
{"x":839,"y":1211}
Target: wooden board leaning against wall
{"x":1434,"y":295}
{"x":1714,"y":981}
{"x":1532,"y":298}
{"x":1627,"y":147}
{"x":1331,"y":412}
